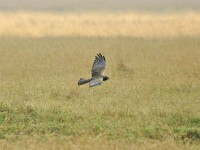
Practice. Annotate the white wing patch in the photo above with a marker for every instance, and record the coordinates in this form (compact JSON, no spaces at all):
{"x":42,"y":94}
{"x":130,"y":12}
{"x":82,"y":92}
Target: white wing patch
{"x":95,"y":82}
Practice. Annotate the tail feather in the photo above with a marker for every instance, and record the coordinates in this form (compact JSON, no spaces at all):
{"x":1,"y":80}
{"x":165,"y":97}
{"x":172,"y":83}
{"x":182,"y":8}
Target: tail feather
{"x":84,"y":81}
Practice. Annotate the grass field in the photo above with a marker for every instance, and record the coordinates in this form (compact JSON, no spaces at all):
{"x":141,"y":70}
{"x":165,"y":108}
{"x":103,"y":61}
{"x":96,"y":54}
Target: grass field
{"x":150,"y":102}
{"x":104,"y":24}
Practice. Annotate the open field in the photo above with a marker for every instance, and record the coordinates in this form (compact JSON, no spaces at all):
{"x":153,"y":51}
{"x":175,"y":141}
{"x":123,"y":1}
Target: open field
{"x":150,"y":102}
{"x":104,"y":24}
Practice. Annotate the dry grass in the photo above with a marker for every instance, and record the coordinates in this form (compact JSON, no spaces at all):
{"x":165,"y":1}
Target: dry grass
{"x":150,"y":102}
{"x":99,"y":24}
{"x":93,"y":143}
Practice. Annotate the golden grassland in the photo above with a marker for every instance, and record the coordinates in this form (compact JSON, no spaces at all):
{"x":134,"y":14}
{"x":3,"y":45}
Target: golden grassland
{"x":104,"y":24}
{"x":150,"y":102}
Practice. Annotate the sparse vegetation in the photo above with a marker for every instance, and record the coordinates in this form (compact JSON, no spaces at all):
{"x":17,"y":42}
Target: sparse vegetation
{"x":150,"y":102}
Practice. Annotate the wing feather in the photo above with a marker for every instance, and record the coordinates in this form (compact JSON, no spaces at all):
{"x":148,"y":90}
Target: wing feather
{"x":99,"y":65}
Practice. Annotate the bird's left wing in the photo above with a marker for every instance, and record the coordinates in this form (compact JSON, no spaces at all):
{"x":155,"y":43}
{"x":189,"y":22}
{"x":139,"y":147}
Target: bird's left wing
{"x":98,"y":66}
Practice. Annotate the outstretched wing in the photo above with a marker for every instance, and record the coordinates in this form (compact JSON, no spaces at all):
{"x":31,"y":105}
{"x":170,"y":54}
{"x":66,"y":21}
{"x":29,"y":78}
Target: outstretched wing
{"x":98,"y":66}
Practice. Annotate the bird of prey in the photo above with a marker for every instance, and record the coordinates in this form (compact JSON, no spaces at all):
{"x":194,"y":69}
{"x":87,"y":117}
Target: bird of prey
{"x":97,"y":72}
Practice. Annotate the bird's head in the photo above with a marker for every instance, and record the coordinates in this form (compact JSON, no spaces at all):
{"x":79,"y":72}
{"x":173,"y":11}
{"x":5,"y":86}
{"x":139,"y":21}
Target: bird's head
{"x":105,"y":78}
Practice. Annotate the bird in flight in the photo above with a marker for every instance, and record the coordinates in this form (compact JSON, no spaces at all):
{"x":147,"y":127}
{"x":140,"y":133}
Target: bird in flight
{"x":98,"y":76}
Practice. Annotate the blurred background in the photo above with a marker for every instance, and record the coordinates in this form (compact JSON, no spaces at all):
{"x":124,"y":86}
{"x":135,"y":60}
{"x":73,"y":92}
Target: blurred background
{"x":88,"y":5}
{"x":127,"y":18}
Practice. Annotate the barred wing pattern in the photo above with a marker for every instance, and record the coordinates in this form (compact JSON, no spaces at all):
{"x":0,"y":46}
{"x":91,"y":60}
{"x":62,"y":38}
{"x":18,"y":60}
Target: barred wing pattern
{"x":98,"y":66}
